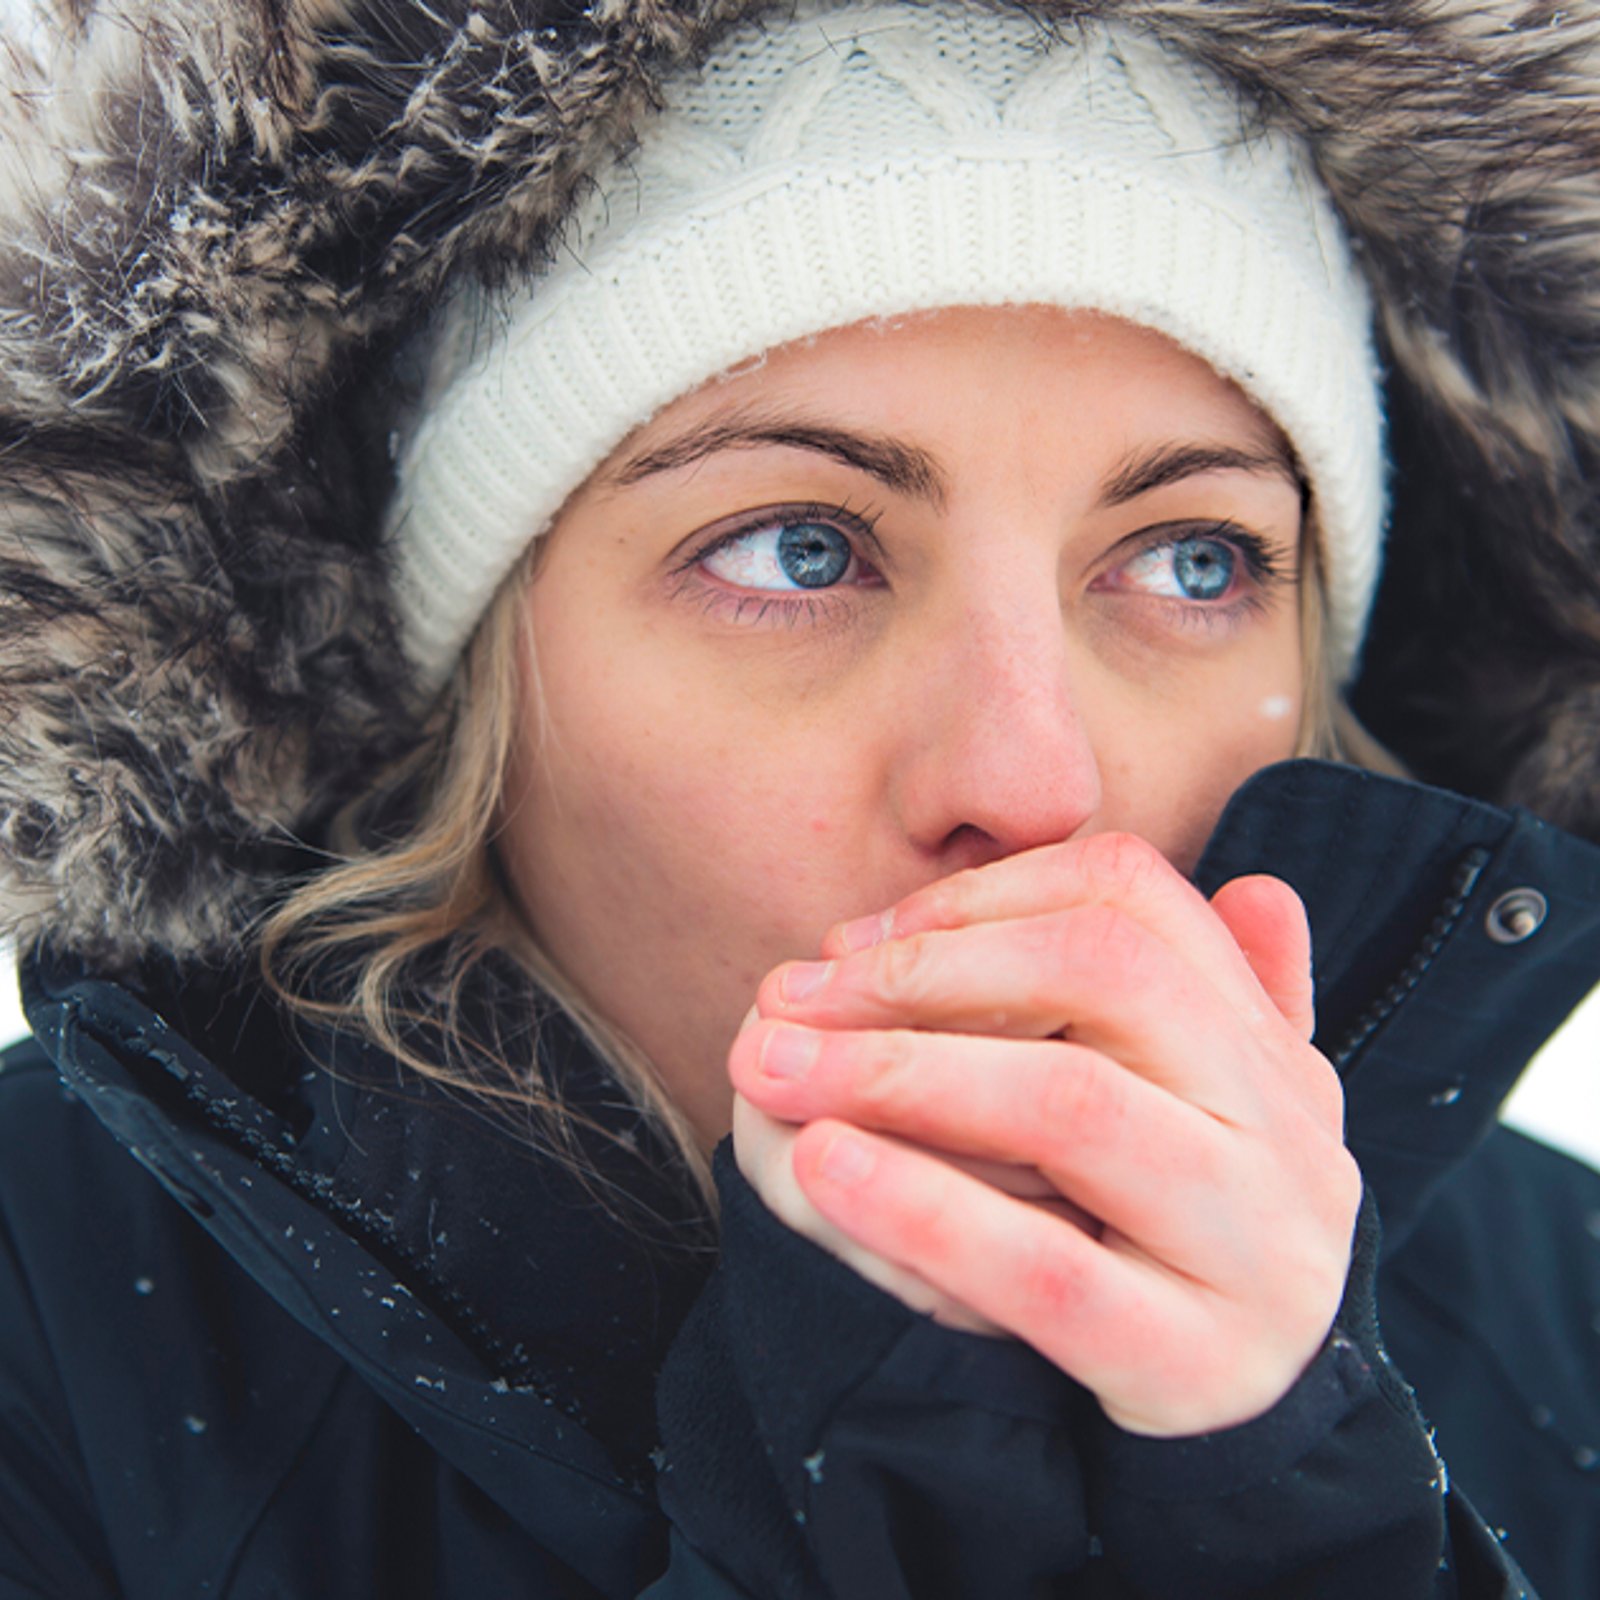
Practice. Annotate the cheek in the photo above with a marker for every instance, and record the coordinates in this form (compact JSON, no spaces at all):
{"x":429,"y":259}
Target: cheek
{"x":676,"y":805}
{"x":1266,"y":730}
{"x":1170,"y":768}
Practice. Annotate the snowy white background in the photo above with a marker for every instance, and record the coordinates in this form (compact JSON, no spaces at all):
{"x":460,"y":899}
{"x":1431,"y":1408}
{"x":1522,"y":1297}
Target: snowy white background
{"x":1558,"y":1099}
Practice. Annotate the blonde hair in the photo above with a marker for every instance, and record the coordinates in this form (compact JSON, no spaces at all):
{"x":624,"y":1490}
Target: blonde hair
{"x":418,"y":905}
{"x":1329,"y":729}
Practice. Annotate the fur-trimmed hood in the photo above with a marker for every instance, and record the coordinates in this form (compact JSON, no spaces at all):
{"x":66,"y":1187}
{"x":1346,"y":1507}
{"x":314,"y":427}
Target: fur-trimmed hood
{"x":220,"y":218}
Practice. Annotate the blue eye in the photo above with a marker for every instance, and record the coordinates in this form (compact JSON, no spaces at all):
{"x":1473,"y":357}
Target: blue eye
{"x":799,"y":554}
{"x":1198,"y":568}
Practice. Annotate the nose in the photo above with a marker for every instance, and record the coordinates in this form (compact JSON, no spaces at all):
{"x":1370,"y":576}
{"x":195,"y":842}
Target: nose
{"x":996,"y":757}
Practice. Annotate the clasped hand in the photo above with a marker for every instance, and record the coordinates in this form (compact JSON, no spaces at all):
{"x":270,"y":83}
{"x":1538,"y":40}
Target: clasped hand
{"x":1062,"y":1097}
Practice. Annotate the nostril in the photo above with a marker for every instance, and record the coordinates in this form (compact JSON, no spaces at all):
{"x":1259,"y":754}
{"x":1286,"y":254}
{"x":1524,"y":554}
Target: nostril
{"x":969,"y":846}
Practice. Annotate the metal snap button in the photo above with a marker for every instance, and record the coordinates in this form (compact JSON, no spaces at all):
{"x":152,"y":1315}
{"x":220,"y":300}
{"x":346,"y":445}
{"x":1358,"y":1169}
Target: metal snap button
{"x":1517,"y":915}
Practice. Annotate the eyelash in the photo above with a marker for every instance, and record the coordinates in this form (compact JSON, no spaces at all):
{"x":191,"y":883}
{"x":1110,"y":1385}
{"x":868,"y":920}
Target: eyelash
{"x":775,"y":608}
{"x":1266,"y":568}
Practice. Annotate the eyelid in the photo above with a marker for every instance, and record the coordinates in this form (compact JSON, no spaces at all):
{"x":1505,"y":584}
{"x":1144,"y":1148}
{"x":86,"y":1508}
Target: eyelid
{"x":1266,"y":560}
{"x":690,"y":576}
{"x":857,"y":526}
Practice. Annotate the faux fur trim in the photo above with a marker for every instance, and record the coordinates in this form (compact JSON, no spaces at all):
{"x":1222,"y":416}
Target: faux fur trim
{"x":218,"y":217}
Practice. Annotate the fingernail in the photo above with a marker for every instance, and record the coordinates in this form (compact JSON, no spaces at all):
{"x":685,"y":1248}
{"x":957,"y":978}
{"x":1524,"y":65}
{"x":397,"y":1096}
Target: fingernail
{"x":847,"y":1160}
{"x":865,"y":932}
{"x":753,"y":1015}
{"x":789,"y":1052}
{"x":802,"y":979}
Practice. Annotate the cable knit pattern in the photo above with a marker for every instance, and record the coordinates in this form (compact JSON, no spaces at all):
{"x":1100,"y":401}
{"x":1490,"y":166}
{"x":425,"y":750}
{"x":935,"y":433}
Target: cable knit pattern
{"x":866,"y":162}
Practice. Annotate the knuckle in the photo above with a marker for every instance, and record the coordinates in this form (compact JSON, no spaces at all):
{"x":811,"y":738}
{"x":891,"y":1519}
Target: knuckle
{"x":1312,"y":1257}
{"x":1310,"y":1088}
{"x":1091,"y":955}
{"x":1325,"y":1089}
{"x":899,"y":972}
{"x":882,"y":1071}
{"x":1110,"y":937}
{"x":1050,"y":1288}
{"x":918,"y":1229}
{"x":1122,"y":861}
{"x":1310,"y":1312}
{"x":1318,"y":1166}
{"x":1347,"y":1185}
{"x":945,"y":903}
{"x":1073,"y":1099}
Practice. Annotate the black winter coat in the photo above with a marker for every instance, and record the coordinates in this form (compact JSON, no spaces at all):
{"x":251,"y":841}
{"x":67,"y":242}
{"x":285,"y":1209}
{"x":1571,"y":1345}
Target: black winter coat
{"x":317,"y":1375}
{"x":332,"y":1378}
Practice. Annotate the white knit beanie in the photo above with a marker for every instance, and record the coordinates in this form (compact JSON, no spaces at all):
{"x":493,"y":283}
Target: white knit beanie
{"x":835,"y":165}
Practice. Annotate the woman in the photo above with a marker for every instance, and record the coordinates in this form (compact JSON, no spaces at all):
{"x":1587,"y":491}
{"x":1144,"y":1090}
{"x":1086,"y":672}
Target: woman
{"x":578,"y":582}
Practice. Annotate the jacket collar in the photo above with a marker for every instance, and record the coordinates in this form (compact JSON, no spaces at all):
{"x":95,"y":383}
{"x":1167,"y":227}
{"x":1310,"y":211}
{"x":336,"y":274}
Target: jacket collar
{"x":552,"y":1287}
{"x":1428,"y":1010}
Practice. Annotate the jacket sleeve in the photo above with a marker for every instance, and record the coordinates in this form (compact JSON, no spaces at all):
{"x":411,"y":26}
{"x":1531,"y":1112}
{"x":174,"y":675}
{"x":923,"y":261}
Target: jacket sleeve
{"x":820,"y":1439}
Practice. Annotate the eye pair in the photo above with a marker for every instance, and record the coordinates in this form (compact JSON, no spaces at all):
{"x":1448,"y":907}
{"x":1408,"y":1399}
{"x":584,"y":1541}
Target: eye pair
{"x":804,"y":553}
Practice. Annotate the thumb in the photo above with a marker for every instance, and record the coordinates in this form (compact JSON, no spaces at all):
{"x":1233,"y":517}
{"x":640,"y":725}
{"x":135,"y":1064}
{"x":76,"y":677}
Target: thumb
{"x":1268,"y":923}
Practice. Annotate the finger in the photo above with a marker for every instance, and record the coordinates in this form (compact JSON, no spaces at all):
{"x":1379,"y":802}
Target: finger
{"x":1039,"y":1278}
{"x":1268,"y":922}
{"x":1091,"y":974}
{"x":763,"y":1148}
{"x":762,"y":1144}
{"x":1010,"y":1177}
{"x":1121,"y":1150}
{"x":1110,"y":869}
{"x":1163,"y":1354}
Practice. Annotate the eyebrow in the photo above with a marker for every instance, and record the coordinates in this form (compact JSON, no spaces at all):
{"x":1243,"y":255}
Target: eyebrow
{"x":1145,"y":470}
{"x":903,"y":468}
{"x":911,"y":471}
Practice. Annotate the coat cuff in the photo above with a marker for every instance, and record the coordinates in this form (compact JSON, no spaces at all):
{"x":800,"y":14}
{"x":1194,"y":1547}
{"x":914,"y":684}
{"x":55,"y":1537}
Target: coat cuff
{"x":822,"y":1438}
{"x":1340,"y":1379}
{"x":1336,"y":1487}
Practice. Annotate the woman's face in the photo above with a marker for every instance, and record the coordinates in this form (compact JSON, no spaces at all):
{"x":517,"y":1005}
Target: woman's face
{"x":892,"y":602}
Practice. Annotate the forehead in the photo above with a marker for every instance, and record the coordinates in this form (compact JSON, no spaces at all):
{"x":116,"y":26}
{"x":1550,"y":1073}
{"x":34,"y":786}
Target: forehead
{"x":1073,"y":366}
{"x":920,"y":401}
